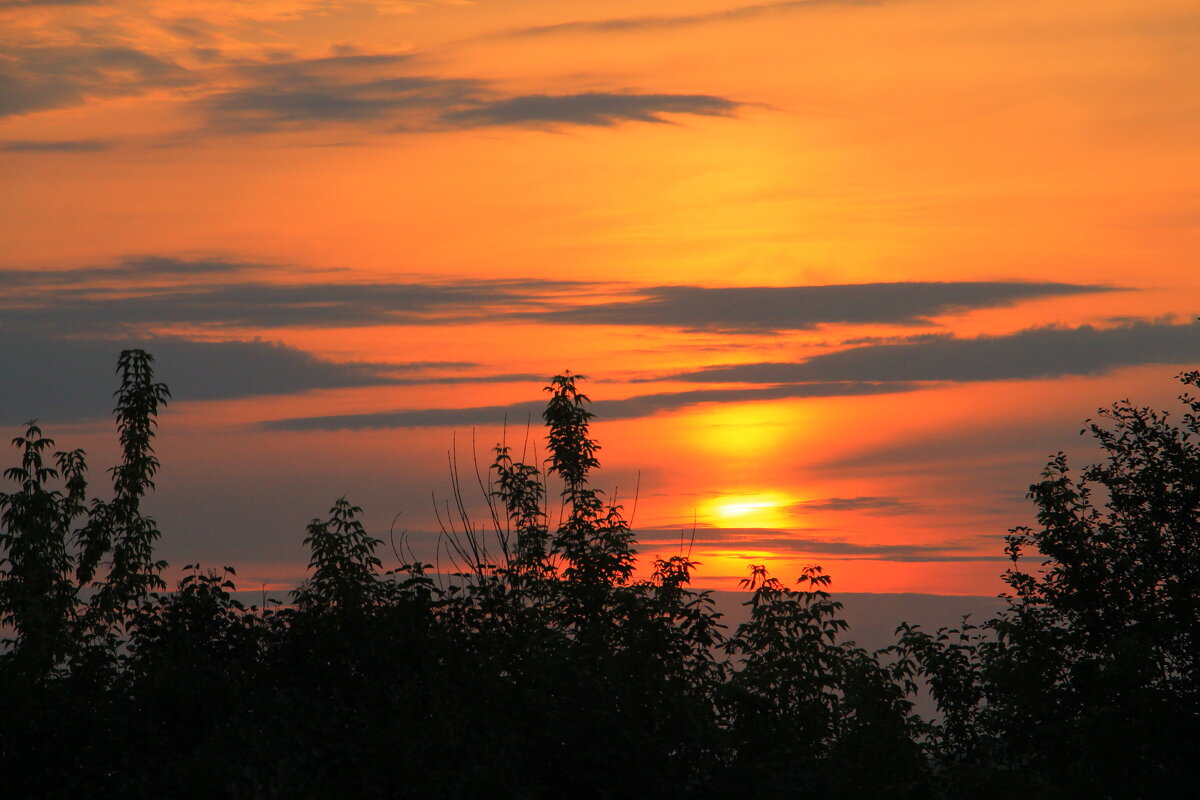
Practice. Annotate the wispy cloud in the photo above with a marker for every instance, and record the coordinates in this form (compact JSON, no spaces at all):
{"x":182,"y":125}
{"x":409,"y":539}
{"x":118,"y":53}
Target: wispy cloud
{"x":1034,"y":353}
{"x":385,"y":92}
{"x":671,"y":21}
{"x":379,"y":93}
{"x":54,"y":145}
{"x":138,"y":299}
{"x":155,"y":289}
{"x":42,"y":78}
{"x":35,"y":3}
{"x":803,"y":542}
{"x":753,"y":309}
{"x":1039,"y":353}
{"x":589,"y":108}
{"x":140,"y":292}
{"x":864,"y":504}
{"x":43,"y":284}
{"x":46,"y":373}
{"x":351,"y":88}
{"x":630,"y":408}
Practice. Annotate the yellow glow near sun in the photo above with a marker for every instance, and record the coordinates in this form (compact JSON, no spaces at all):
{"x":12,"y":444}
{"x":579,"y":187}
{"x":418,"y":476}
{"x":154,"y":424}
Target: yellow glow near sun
{"x":765,"y":510}
{"x":740,"y":508}
{"x":745,"y":431}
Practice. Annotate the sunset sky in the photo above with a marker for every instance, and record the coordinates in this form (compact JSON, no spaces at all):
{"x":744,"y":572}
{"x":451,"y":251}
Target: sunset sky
{"x":841,"y":274}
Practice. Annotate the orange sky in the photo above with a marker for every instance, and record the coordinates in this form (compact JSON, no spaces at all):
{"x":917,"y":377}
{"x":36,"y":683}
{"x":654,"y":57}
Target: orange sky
{"x":843,"y":274}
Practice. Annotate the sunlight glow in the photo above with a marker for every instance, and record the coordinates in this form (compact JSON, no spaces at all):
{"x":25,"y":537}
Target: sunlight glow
{"x":763,"y":510}
{"x":745,"y":432}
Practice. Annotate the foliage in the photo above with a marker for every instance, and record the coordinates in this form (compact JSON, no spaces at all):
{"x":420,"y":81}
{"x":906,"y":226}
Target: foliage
{"x":343,"y":564}
{"x":808,"y":708}
{"x":543,"y":668}
{"x":118,"y":528}
{"x":47,"y":562}
{"x":1087,"y":684}
{"x":37,"y":590}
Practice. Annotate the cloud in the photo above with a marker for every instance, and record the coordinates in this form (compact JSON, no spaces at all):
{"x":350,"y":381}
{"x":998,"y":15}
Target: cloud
{"x":44,"y":375}
{"x":802,"y":542}
{"x":649,"y":404}
{"x":884,"y":552}
{"x":273,"y":306}
{"x":42,"y":78}
{"x":93,"y":319}
{"x":671,"y":21}
{"x":629,"y":408}
{"x":989,"y":446}
{"x":1043,"y":352}
{"x":870,"y":505}
{"x":103,"y":307}
{"x":146,"y":290}
{"x":337,"y":89}
{"x":413,"y":418}
{"x":143,"y":265}
{"x":380,"y":90}
{"x":40,"y":290}
{"x":589,"y":108}
{"x":765,"y":308}
{"x":1029,"y":354}
{"x":54,"y":145}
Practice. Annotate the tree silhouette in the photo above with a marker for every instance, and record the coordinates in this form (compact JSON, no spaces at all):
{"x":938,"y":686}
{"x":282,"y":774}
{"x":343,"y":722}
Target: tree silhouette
{"x":118,"y":528}
{"x":1087,"y":684}
{"x":544,"y":667}
{"x":38,"y":595}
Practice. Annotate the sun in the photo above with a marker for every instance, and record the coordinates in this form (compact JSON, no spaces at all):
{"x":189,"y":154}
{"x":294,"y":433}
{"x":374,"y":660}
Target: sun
{"x":751,"y":510}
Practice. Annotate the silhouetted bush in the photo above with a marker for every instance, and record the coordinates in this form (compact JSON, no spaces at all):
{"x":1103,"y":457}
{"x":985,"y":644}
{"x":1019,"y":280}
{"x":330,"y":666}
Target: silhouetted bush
{"x":1086,"y":685}
{"x":542,"y":668}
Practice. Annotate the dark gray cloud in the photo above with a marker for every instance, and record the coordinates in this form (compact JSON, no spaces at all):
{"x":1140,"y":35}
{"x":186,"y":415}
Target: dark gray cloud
{"x":70,"y":379}
{"x":766,"y":308}
{"x":271,"y":306}
{"x":141,"y":266}
{"x":870,"y":505}
{"x":150,"y":289}
{"x":589,"y":108}
{"x":399,"y":378}
{"x":41,"y":78}
{"x":671,"y":21}
{"x":36,"y":3}
{"x":803,"y":542}
{"x":629,"y":408}
{"x":649,"y":404}
{"x":55,"y":145}
{"x":147,"y":290}
{"x":1020,"y":449}
{"x":1034,"y":353}
{"x":65,"y":379}
{"x":193,"y":29}
{"x":345,"y":88}
{"x":381,"y":90}
{"x":884,"y":552}
{"x":413,"y":418}
{"x":1046,"y":352}
{"x":131,"y":269}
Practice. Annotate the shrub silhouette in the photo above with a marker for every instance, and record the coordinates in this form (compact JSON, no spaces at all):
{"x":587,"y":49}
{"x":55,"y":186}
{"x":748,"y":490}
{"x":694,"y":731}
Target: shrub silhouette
{"x":1087,"y":685}
{"x":543,"y":668}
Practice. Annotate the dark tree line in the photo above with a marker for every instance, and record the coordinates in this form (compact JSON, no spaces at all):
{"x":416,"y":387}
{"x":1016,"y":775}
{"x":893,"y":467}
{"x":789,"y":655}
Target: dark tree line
{"x":544,"y":669}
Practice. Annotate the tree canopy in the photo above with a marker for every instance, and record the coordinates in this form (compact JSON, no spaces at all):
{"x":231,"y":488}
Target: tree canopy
{"x":543,"y":667}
